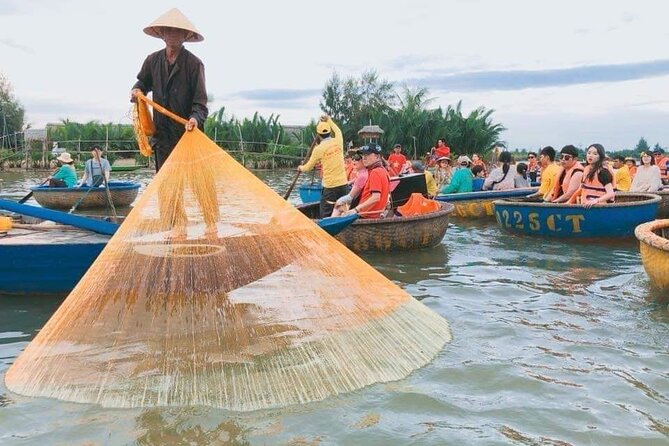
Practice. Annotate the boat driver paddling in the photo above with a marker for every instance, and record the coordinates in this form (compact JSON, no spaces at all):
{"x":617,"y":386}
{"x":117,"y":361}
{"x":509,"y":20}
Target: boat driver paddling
{"x":571,"y":176}
{"x":95,"y":168}
{"x":376,"y":193}
{"x":330,"y":153}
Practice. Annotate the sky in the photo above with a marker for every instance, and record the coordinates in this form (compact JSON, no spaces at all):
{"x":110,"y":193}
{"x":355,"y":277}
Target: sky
{"x":556,"y":73}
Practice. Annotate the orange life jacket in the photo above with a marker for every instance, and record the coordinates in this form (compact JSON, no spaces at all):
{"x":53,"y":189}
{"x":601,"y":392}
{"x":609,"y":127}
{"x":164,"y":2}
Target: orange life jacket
{"x":662,"y":164}
{"x":418,"y":205}
{"x":592,"y":189}
{"x":562,"y":184}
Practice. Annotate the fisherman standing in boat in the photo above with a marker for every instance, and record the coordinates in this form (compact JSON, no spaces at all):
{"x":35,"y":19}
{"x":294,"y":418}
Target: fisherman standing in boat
{"x":176,"y":78}
{"x":330,"y":153}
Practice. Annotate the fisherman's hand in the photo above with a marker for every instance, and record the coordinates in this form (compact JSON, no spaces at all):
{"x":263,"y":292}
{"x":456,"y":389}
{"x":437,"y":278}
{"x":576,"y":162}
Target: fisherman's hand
{"x":325,"y":118}
{"x":134,"y":93}
{"x":191,"y":124}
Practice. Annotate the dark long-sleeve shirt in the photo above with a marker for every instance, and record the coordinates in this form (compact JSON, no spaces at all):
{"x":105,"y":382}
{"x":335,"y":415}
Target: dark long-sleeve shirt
{"x":180,"y":89}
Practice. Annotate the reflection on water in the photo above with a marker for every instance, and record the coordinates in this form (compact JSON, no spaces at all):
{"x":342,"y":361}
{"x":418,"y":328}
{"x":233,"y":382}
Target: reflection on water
{"x":553,"y":343}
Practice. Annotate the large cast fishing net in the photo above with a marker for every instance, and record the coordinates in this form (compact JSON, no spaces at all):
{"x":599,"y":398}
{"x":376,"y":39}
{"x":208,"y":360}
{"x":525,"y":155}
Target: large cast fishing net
{"x":215,"y":291}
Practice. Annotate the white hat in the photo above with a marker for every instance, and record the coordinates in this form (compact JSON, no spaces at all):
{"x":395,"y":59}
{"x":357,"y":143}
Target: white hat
{"x":173,"y":19}
{"x":464,"y":159}
{"x":65,"y":158}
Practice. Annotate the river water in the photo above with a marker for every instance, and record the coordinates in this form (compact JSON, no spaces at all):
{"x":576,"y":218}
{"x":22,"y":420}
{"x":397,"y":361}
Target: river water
{"x":554,"y":343}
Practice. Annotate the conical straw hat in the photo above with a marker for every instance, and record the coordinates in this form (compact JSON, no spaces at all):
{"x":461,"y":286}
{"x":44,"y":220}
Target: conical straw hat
{"x":173,"y":19}
{"x":252,"y":306}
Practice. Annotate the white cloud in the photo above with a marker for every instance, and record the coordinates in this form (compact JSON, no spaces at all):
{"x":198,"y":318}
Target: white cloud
{"x":81,"y":57}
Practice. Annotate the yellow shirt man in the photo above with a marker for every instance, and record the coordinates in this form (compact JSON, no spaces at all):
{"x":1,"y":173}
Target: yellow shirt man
{"x":623,"y":179}
{"x":432,"y":188}
{"x":549,"y":177}
{"x":330,"y":153}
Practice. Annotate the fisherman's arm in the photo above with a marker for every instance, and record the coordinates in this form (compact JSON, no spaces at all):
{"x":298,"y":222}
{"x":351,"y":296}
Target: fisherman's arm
{"x":199,"y":109}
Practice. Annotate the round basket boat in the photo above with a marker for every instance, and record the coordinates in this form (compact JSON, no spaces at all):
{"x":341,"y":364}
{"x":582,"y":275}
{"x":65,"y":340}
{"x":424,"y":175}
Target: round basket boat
{"x":479,"y":204}
{"x":122,"y":194}
{"x":397,"y":233}
{"x":654,"y":246}
{"x":663,"y":209}
{"x":575,"y":220}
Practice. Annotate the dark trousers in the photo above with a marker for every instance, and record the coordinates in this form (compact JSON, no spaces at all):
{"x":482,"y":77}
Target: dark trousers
{"x":329,"y":195}
{"x":53,"y":182}
{"x":161,"y":156}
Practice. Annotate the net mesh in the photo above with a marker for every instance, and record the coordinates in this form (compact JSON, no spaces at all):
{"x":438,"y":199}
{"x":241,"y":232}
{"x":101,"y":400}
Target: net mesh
{"x":215,"y":291}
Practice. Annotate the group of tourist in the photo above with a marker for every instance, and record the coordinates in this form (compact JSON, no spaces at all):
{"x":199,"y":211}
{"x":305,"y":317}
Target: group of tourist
{"x":594,"y":180}
{"x":370,"y":186}
{"x":96,"y":171}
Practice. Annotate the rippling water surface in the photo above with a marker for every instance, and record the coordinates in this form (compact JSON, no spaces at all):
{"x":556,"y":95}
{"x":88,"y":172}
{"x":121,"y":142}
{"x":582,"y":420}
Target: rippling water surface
{"x":554,"y":343}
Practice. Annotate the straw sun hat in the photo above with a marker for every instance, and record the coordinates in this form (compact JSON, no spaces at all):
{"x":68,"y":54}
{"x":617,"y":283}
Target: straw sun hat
{"x":173,"y":19}
{"x":65,"y":158}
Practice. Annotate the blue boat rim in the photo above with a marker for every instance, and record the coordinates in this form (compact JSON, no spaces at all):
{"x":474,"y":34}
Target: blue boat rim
{"x":487,"y":194}
{"x":649,"y":199}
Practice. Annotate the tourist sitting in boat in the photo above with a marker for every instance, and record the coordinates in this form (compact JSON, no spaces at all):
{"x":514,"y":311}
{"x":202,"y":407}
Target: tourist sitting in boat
{"x":631,"y":165}
{"x":444,"y":172}
{"x":521,"y":179}
{"x":477,"y":161}
{"x":376,"y":192}
{"x":65,"y":176}
{"x":396,"y":161}
{"x":533,"y":166}
{"x":462,"y":180}
{"x":343,"y":203}
{"x":430,"y":182}
{"x":438,"y":151}
{"x":662,"y":162}
{"x":479,"y":178}
{"x":501,"y":177}
{"x":647,"y":178}
{"x":598,"y":183}
{"x":330,"y":153}
{"x":95,"y":168}
{"x":570,"y":177}
{"x":549,"y":174}
{"x":622,"y":176}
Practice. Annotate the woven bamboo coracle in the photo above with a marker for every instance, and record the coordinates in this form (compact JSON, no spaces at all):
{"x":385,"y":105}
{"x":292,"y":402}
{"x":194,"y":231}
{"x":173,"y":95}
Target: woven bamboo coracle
{"x":654,"y":246}
{"x":397,"y":233}
{"x":65,"y":198}
{"x":663,"y":209}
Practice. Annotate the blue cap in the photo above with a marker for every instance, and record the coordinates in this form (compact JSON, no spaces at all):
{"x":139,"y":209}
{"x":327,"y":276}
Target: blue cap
{"x":370,"y":148}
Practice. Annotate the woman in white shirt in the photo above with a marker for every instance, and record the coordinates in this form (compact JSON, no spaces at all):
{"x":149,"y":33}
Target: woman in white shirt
{"x":647,"y":177}
{"x":501,"y":178}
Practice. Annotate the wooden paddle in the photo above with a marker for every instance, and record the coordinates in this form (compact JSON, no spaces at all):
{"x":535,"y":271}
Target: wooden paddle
{"x":292,"y":185}
{"x":27,"y":197}
{"x":107,"y":191}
